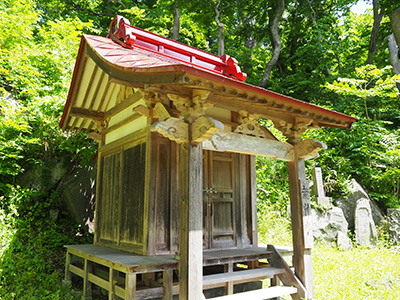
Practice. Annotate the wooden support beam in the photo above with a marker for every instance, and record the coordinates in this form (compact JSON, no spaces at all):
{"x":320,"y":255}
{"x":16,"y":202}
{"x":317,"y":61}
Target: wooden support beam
{"x":135,"y":97}
{"x":301,"y":222}
{"x":88,"y":114}
{"x":240,"y":143}
{"x":229,"y":285}
{"x":191,"y":222}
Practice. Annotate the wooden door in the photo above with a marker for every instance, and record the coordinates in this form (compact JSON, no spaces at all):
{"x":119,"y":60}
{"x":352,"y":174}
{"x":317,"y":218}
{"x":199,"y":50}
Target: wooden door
{"x":219,"y":200}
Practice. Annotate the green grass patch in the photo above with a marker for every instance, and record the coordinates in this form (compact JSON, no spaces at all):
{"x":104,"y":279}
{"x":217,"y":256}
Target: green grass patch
{"x":356,"y":274}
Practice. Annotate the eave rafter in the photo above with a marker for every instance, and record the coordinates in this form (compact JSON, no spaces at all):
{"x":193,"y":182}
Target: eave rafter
{"x":268,"y":105}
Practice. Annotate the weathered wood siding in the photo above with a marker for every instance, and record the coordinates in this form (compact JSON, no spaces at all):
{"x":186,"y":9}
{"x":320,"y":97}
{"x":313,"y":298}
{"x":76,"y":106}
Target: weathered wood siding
{"x":228,"y":214}
{"x":163,"y":196}
{"x":122,"y":200}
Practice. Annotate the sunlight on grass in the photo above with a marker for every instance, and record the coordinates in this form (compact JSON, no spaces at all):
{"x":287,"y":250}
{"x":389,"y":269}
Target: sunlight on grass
{"x":273,"y":228}
{"x":357,"y":274}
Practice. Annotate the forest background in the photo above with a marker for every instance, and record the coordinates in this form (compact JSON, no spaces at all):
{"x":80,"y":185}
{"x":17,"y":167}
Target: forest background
{"x":316,"y":51}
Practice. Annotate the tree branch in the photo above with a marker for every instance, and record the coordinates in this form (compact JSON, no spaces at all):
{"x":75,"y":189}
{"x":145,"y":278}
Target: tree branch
{"x":276,"y":43}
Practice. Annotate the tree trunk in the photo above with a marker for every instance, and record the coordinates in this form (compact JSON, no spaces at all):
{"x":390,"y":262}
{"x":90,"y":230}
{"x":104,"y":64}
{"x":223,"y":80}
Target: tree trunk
{"x":276,"y":42}
{"x":395,"y":21}
{"x":378,"y":15}
{"x":175,"y":28}
{"x":221,"y":27}
{"x":394,"y":57}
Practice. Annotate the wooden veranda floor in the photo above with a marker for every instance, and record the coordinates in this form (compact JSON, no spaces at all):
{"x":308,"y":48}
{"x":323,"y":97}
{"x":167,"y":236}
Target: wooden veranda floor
{"x":130,"y":276}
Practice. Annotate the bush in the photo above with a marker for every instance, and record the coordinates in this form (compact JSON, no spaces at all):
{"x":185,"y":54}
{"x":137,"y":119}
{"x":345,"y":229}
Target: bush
{"x":32,"y":264}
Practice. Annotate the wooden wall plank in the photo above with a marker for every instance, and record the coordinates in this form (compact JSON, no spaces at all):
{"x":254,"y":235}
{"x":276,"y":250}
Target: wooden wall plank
{"x":174,"y":196}
{"x":253,"y":197}
{"x":133,"y":192}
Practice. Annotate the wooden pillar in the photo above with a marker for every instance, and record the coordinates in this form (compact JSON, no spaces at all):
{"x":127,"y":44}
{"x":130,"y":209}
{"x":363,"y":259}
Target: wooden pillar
{"x":168,"y":282}
{"x":67,"y":279}
{"x":112,"y":281}
{"x":191,"y":222}
{"x":87,"y":285}
{"x":301,"y":223}
{"x":130,"y":286}
{"x":228,"y":268}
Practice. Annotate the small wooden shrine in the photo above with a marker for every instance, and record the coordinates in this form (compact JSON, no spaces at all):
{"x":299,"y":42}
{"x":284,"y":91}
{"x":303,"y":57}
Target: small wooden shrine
{"x":178,"y":133}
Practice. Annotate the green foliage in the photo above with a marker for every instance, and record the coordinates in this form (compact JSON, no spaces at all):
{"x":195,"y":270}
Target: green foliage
{"x":375,"y":92}
{"x":367,"y":152}
{"x":36,"y":63}
{"x":32,"y":261}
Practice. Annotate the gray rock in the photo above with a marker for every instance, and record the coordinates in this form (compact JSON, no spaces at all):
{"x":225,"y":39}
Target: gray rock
{"x":343,"y":241}
{"x":321,"y":229}
{"x":330,"y":227}
{"x":44,"y":177}
{"x":337,"y":220}
{"x":393,"y":216}
{"x":78,"y":191}
{"x":365,"y":230}
{"x":348,"y":204}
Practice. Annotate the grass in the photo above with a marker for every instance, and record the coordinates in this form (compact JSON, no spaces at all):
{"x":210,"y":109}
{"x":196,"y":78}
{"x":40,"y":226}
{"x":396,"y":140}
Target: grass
{"x":356,"y":274}
{"x":361,"y":273}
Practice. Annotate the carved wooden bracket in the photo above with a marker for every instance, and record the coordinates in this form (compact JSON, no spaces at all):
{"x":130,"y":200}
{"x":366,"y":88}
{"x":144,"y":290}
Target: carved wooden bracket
{"x":309,"y":148}
{"x":204,"y":127}
{"x":102,"y":125}
{"x":177,"y":130}
{"x":174,"y":129}
{"x":294,"y":131}
{"x":161,"y":112}
{"x":125,"y":92}
{"x":191,"y":108}
{"x":249,"y":125}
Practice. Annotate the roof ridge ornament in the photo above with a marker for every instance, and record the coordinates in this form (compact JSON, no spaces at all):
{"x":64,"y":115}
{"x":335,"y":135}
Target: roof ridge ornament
{"x":121,"y":33}
{"x":232,"y":68}
{"x":128,"y":36}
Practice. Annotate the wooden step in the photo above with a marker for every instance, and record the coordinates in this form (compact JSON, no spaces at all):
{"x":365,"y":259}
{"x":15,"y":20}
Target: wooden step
{"x":220,"y":279}
{"x":272,"y":292}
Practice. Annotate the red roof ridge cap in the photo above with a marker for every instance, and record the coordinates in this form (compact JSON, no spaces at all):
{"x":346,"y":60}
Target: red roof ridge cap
{"x":128,"y":36}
